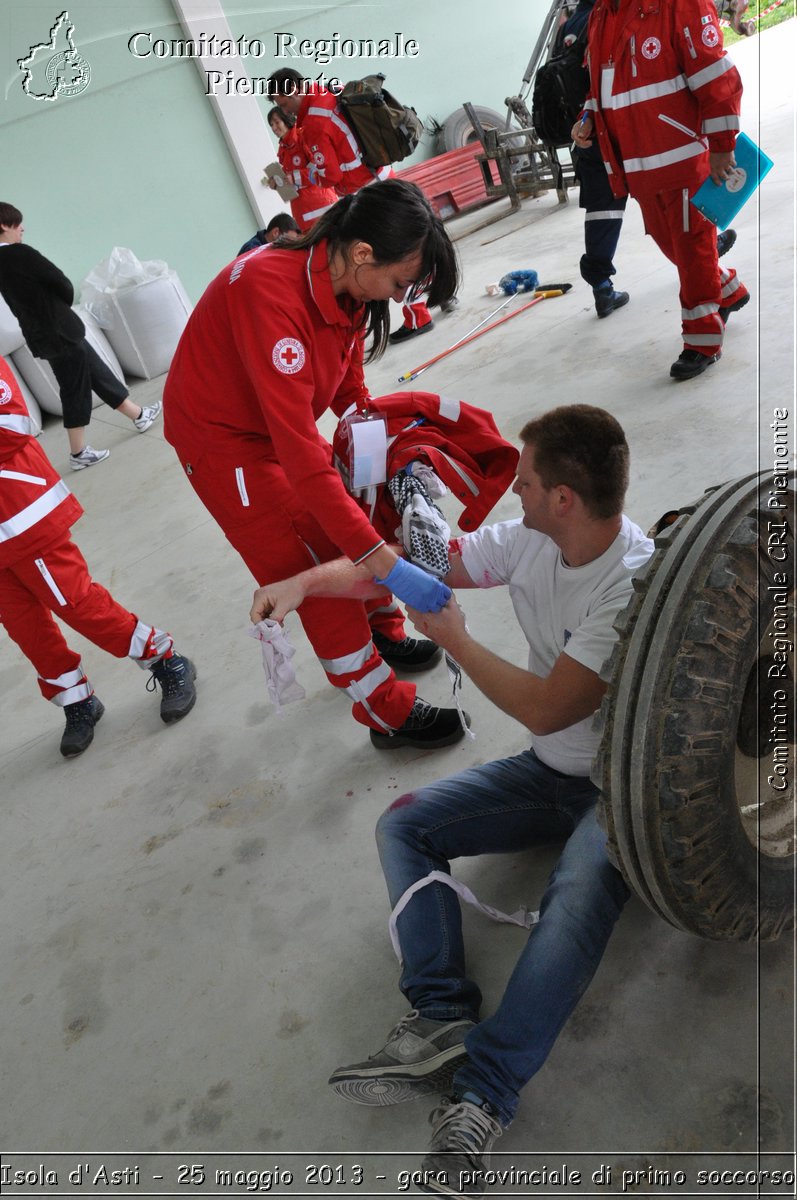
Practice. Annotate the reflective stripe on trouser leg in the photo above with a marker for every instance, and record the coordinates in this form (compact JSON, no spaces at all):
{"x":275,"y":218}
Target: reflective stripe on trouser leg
{"x":149,"y":645}
{"x":694,"y":253}
{"x":732,"y":288}
{"x":380,"y":700}
{"x":386,"y":617}
{"x":68,"y":688}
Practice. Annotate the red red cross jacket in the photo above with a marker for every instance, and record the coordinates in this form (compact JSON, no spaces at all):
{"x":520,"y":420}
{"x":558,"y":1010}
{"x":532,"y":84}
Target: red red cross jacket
{"x":661,"y":87}
{"x":461,"y":442}
{"x":331,"y":146}
{"x":36,"y":506}
{"x":312,"y":200}
{"x":266,"y":351}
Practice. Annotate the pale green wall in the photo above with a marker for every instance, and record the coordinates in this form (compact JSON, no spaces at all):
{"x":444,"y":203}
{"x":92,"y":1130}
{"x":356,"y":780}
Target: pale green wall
{"x":468,"y":49}
{"x":138,"y":159}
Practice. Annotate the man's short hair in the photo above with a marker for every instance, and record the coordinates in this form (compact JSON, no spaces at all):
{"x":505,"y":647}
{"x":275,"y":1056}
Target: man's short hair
{"x":585,"y":448}
{"x":284,"y":222}
{"x":285,"y":82}
{"x":9,"y":215}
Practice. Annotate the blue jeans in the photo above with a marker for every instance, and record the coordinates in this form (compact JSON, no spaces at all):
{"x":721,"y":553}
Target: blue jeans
{"x":492,"y":809}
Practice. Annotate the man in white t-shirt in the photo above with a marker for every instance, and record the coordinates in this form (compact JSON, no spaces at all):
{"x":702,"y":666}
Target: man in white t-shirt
{"x":568,"y":564}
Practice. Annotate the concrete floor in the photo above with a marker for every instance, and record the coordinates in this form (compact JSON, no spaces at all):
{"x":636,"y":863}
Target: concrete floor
{"x":194,"y":928}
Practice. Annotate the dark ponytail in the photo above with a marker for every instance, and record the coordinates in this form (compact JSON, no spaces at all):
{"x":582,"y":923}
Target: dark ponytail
{"x":397,"y":221}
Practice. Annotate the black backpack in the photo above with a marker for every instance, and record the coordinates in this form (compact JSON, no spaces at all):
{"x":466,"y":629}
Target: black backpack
{"x":387,"y":130}
{"x":560,"y":89}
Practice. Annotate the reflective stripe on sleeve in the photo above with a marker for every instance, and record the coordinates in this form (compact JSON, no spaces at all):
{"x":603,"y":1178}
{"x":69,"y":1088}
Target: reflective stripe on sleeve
{"x":35,"y":512}
{"x":721,"y":124}
{"x":19,"y":424}
{"x":709,"y":74}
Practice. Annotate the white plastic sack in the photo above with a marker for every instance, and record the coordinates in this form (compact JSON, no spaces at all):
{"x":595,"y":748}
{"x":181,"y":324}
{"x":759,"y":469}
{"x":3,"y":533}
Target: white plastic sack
{"x":97,"y":339}
{"x":38,"y":375}
{"x":148,"y":322}
{"x":34,"y":412}
{"x":121,"y":269}
{"x":10,"y":333}
{"x":142,"y":307}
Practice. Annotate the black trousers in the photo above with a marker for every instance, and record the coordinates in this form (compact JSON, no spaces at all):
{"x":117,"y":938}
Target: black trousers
{"x":79,"y":371}
{"x":603,"y":219}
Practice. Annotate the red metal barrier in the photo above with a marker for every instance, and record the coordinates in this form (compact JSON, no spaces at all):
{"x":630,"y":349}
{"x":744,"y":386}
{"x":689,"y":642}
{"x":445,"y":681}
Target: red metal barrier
{"x":452,"y":182}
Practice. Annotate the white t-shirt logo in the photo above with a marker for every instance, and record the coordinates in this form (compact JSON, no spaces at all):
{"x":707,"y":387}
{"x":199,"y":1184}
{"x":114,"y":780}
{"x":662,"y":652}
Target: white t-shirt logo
{"x":288,"y":356}
{"x":5,"y":392}
{"x":651,"y":47}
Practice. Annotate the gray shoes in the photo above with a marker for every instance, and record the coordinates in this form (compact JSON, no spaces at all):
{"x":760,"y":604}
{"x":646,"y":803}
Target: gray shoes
{"x":458,"y":1162}
{"x":149,"y":416}
{"x":420,"y":1056}
{"x":88,"y":457}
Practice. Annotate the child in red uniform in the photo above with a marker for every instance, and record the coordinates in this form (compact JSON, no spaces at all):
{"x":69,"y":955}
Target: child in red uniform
{"x":41,"y":569}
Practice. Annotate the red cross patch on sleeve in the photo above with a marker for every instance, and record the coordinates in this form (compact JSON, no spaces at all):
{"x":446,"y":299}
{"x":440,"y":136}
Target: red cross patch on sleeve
{"x":288,"y":356}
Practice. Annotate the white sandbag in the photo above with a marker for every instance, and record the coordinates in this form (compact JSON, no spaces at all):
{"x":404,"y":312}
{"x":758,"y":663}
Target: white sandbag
{"x":97,"y":339}
{"x":34,"y":412}
{"x":141,"y":306}
{"x":38,"y":375}
{"x":11,"y":337}
{"x":148,"y":320}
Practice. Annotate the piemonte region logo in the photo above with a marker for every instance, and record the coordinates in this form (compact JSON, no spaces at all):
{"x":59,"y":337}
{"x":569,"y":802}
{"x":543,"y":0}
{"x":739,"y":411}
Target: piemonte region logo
{"x":55,"y":68}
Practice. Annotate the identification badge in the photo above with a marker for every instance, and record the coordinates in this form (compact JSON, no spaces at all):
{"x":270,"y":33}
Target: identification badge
{"x":367,"y":438}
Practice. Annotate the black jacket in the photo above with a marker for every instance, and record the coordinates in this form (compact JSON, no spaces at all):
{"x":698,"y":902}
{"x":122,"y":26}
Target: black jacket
{"x":39,"y":296}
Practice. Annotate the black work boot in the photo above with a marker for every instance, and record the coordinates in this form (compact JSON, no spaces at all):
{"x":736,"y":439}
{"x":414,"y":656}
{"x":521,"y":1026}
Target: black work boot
{"x":726,"y":311}
{"x":426,"y":728}
{"x":81,"y":717}
{"x":607,"y":300}
{"x":690,"y":363}
{"x":410,"y":654}
{"x":176,"y":677}
{"x":726,"y":240}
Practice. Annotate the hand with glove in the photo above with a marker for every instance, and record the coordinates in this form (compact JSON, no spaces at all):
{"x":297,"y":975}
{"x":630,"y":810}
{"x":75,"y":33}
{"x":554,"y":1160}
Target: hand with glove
{"x":415,"y":587}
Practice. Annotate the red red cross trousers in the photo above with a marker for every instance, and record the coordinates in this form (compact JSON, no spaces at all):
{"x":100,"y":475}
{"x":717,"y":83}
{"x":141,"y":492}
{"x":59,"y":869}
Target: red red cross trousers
{"x":288,"y":356}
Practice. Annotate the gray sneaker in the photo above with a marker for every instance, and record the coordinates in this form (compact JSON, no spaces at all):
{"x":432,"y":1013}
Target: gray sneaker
{"x":463,"y":1133}
{"x":420,"y":1056}
{"x":148,"y":417}
{"x":88,"y":457}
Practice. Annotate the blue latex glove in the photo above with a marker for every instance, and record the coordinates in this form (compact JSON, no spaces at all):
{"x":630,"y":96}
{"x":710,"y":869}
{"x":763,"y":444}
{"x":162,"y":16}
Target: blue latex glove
{"x":415,"y":587}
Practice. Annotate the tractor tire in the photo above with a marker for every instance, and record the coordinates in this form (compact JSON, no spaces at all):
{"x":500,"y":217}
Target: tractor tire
{"x":696,"y":761}
{"x":457,"y":131}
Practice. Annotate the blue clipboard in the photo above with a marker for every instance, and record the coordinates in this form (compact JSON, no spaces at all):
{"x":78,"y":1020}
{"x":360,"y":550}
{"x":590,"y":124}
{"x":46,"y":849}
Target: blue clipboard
{"x":721,"y":204}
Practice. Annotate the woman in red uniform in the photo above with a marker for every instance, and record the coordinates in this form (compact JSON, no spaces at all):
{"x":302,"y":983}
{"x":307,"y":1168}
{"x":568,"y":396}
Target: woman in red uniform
{"x":313,"y":200}
{"x":248,"y":382}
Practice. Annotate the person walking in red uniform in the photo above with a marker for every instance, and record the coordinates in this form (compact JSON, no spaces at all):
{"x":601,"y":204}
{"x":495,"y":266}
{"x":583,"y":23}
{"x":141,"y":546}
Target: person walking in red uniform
{"x":334,"y":159}
{"x":248,"y":382}
{"x":42,"y":571}
{"x":664,"y":102}
{"x":312,"y":201}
